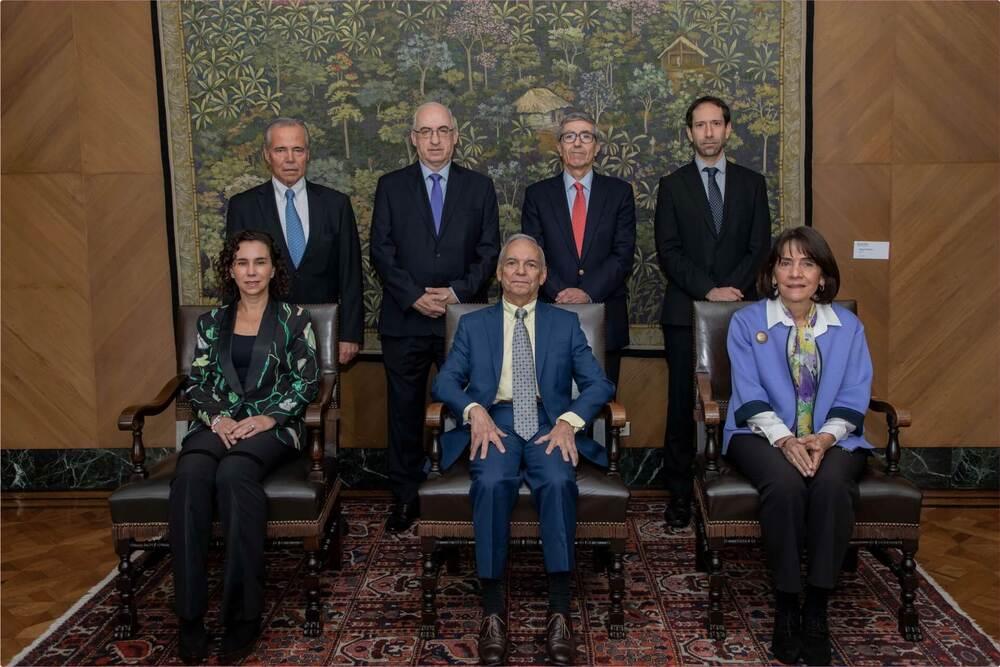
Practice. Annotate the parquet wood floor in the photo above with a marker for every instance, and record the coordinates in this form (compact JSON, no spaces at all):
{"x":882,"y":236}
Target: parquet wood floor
{"x":55,"y":547}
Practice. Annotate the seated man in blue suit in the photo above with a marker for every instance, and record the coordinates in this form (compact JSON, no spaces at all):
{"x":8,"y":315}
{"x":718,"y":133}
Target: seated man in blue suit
{"x":510,"y":376}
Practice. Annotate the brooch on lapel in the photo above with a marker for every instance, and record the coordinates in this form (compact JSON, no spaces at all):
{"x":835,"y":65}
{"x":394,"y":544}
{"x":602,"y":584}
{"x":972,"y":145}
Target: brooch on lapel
{"x":761,"y":337}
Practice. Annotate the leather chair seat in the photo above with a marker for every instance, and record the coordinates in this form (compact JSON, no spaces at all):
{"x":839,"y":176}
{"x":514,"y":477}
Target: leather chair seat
{"x":602,"y":499}
{"x":290,"y":496}
{"x":883,"y":498}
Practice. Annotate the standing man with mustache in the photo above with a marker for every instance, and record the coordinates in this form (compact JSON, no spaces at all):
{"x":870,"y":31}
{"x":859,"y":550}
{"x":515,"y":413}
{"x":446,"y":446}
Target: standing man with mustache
{"x":713,"y":228}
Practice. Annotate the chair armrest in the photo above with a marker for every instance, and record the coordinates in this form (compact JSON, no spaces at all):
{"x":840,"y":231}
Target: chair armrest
{"x":895,"y":418}
{"x":434,"y":416}
{"x":133,"y":416}
{"x":899,"y":415}
{"x":615,"y":414}
{"x":315,"y":419}
{"x":710,"y":409}
{"x":315,"y":411}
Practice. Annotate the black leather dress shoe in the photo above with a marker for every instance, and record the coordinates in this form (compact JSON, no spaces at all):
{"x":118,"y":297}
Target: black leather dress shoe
{"x":678,"y":514}
{"x":559,"y":639}
{"x":786,"y":641}
{"x":192,"y":642}
{"x":816,"y":649}
{"x":403,"y":515}
{"x":492,"y":640}
{"x":238,"y":641}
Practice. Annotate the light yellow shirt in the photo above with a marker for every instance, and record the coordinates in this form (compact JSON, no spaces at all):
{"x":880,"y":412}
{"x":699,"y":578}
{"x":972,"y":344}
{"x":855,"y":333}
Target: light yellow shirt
{"x":505,"y":391}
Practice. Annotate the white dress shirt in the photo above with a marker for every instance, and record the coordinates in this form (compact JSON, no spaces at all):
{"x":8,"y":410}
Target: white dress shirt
{"x":301,"y":204}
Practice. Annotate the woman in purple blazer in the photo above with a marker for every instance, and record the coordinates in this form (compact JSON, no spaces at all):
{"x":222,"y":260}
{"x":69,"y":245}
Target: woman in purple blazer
{"x":801,"y":385}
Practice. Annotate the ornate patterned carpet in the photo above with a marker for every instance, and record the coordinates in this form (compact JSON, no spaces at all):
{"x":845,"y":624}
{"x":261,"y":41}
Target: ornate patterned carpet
{"x":372,"y":610}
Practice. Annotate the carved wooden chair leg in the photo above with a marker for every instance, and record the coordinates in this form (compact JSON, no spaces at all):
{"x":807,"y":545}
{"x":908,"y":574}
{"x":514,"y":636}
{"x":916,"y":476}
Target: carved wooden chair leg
{"x":126,"y":620}
{"x":700,"y":544}
{"x":909,"y":618}
{"x":616,"y":588}
{"x":850,"y":560}
{"x":314,"y":619}
{"x":428,"y":580}
{"x":716,"y":582}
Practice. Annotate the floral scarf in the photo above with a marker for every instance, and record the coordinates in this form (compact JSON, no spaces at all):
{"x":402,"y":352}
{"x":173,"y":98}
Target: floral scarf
{"x":804,"y":362}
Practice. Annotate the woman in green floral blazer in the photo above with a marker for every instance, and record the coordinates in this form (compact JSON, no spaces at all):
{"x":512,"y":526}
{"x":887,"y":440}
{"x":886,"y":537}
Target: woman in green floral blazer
{"x":253,"y":374}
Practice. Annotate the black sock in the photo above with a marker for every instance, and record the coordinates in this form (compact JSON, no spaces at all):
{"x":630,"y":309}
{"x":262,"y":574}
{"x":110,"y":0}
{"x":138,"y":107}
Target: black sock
{"x":493,"y":602}
{"x":816,"y":601}
{"x":786,"y":602}
{"x":559,"y":592}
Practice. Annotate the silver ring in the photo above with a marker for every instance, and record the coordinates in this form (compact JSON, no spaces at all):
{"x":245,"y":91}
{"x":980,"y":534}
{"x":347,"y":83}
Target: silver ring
{"x":251,"y":427}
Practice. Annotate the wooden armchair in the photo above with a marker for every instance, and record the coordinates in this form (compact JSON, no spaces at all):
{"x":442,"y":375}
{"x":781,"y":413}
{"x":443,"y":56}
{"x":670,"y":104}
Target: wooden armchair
{"x":887,"y":516}
{"x":446,"y":510}
{"x":303,"y":495}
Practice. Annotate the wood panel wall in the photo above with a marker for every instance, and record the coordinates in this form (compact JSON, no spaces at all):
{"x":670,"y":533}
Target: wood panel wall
{"x":86,"y":280}
{"x":906,"y":149}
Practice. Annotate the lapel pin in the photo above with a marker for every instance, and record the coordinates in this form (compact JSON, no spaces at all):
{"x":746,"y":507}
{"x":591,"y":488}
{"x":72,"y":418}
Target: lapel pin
{"x":761,"y":337}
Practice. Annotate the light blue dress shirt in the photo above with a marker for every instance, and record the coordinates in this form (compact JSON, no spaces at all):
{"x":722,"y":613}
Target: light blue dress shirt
{"x":428,"y":183}
{"x":568,"y":183}
{"x":720,"y":178}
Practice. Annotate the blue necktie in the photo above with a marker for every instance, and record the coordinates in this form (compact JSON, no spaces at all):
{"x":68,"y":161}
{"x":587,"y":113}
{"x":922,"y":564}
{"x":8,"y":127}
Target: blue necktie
{"x":437,"y":202}
{"x":294,"y":234}
{"x":714,"y":198}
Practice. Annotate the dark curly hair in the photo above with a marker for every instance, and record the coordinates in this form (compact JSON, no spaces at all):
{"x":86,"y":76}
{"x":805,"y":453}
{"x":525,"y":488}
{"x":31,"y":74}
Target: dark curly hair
{"x":278,"y":287}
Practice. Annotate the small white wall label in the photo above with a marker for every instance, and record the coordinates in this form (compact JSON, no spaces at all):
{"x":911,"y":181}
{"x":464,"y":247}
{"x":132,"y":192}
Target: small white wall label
{"x":871,"y":250}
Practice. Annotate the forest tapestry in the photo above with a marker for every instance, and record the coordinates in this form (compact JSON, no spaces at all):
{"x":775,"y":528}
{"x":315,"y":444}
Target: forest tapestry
{"x":355,"y":70}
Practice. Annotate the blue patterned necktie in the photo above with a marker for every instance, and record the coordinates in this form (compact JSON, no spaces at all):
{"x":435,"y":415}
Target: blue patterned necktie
{"x":714,"y":197}
{"x":294,"y":234}
{"x":437,"y":201}
{"x":523,"y":380}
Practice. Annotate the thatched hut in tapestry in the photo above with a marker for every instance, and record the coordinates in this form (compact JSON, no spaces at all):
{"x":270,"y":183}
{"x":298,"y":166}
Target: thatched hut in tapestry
{"x":682,"y":55}
{"x":540,"y":108}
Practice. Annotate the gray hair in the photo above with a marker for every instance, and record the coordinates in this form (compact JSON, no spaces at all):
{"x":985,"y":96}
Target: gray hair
{"x":284,"y":121}
{"x":520,"y":237}
{"x":574,"y":115}
{"x":413,"y":125}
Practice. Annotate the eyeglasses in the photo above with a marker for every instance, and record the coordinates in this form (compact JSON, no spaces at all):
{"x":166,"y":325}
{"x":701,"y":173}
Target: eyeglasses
{"x":426,"y":132}
{"x":571,"y":137}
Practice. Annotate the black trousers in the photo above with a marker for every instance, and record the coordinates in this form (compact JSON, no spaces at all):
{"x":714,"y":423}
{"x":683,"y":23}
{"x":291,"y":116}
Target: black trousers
{"x":679,"y":444}
{"x":208,"y":475}
{"x":407,"y":362}
{"x":812,"y":513}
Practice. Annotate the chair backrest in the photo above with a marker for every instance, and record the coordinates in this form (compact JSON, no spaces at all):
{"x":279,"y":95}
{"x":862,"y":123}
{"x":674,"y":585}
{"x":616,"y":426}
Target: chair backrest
{"x":591,"y":321}
{"x":711,"y":329}
{"x":324,"y":322}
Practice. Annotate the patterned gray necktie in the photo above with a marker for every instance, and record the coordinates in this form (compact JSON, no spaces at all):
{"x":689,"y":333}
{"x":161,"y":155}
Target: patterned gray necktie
{"x":523,"y":378}
{"x":714,"y":197}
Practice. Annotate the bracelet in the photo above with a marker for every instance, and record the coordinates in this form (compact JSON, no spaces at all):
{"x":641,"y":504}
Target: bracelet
{"x":215,"y":420}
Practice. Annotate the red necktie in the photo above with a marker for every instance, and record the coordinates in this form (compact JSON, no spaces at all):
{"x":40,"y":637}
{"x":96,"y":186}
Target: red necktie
{"x":579,"y":217}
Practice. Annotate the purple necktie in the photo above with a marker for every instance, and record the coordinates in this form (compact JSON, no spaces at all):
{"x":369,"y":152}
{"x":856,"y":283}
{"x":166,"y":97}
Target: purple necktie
{"x":437,"y":202}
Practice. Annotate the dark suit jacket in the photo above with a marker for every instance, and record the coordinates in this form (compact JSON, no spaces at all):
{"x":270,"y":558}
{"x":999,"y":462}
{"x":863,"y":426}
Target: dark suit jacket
{"x":608,"y":245}
{"x":471,"y":373}
{"x":409,"y":256}
{"x":330,"y":271}
{"x":282,"y":380}
{"x":692,"y":258}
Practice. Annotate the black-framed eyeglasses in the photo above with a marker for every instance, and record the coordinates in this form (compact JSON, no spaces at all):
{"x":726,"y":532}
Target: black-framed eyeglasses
{"x":571,"y":137}
{"x":426,"y":132}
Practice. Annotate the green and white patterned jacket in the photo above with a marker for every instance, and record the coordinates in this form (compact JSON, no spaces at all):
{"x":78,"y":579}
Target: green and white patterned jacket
{"x":282,"y":379}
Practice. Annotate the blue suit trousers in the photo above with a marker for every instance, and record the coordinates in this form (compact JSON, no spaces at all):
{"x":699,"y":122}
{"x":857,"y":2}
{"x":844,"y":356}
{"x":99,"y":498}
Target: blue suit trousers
{"x":496,"y":481}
